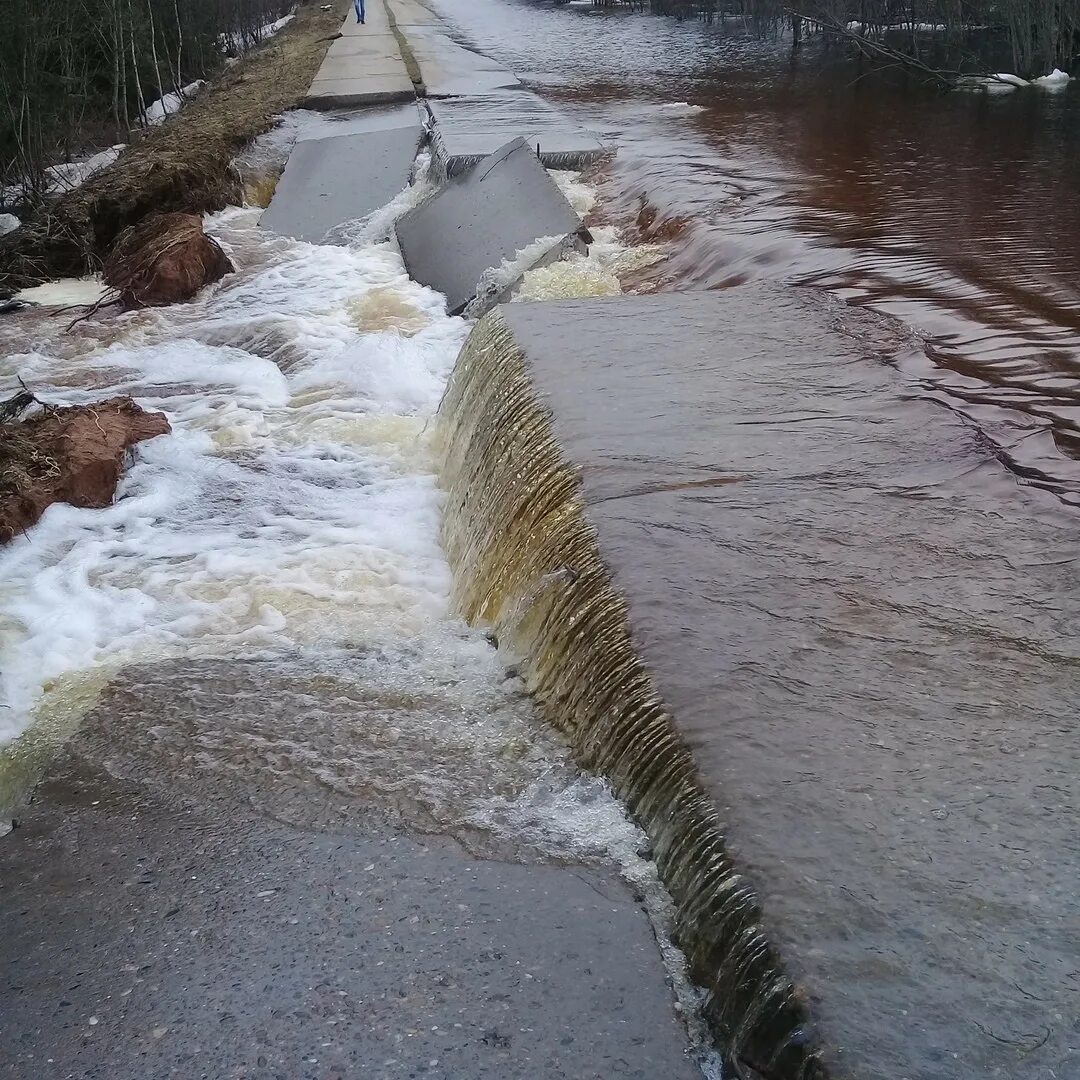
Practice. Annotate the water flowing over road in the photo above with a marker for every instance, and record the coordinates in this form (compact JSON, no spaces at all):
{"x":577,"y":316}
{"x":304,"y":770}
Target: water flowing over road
{"x":263,"y":623}
{"x":956,"y":213}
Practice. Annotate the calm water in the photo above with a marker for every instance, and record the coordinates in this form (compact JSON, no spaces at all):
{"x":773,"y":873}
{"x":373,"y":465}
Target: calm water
{"x":957,"y":213}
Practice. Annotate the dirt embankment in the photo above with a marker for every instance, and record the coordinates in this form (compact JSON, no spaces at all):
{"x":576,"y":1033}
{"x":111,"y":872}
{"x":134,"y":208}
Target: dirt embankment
{"x":183,"y":165}
{"x":74,"y":454}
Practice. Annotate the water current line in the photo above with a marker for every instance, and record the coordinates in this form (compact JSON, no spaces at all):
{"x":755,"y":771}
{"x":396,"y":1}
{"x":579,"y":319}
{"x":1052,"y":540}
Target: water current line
{"x":527,"y":564}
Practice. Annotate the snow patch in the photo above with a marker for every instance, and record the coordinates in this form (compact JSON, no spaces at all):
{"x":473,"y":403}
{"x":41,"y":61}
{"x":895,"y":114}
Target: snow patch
{"x":68,"y":175}
{"x":236,"y":42}
{"x":8,"y":223}
{"x":162,"y":109}
{"x":1006,"y":81}
{"x":1056,"y":80}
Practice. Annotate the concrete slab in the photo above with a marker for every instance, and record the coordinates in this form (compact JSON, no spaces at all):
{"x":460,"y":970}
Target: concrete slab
{"x":480,"y":219}
{"x":449,"y":68}
{"x":363,"y":90}
{"x":330,"y":181}
{"x":455,"y":150}
{"x":178,"y":925}
{"x":375,"y":45}
{"x":413,"y":13}
{"x":377,"y":21}
{"x":339,"y":68}
{"x":329,"y":123}
{"x":822,"y":582}
{"x":363,"y":67}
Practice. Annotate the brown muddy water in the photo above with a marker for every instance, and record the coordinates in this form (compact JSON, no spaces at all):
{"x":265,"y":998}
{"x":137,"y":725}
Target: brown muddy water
{"x":847,"y":532}
{"x":956,"y":213}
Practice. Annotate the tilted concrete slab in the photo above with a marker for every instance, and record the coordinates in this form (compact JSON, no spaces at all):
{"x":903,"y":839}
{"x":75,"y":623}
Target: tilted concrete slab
{"x":330,"y":181}
{"x":480,"y":219}
{"x":467,"y":129}
{"x":823,"y":587}
{"x":457,"y":151}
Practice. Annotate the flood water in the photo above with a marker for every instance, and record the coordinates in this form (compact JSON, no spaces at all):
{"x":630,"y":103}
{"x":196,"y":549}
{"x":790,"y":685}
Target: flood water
{"x":957,"y":213}
{"x":285,"y":540}
{"x":847,"y":528}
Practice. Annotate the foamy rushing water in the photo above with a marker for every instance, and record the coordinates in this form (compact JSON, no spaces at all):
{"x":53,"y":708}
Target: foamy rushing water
{"x":291,"y":518}
{"x":295,"y":501}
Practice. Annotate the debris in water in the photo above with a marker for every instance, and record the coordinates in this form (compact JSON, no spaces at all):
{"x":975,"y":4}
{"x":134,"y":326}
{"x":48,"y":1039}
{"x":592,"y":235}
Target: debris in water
{"x":164,"y":259}
{"x":73,"y":454}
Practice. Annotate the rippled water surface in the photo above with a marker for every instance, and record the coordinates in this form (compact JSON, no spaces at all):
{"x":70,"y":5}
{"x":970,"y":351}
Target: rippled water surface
{"x":843,"y":507}
{"x":958,"y":213}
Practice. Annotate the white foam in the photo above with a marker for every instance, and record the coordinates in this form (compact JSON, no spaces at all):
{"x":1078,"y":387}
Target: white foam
{"x":288,"y":506}
{"x":680,"y":108}
{"x":578,"y":194}
{"x":65,"y":292}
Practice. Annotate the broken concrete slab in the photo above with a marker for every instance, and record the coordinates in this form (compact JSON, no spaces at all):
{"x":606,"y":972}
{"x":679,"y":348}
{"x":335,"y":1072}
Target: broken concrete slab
{"x":343,"y":178}
{"x":482,"y":219}
{"x":363,"y":90}
{"x":456,"y":151}
{"x":468,"y":129}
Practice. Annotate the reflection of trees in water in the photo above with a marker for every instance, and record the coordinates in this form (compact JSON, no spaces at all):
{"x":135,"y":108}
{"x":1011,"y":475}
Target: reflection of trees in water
{"x":1040,"y":34}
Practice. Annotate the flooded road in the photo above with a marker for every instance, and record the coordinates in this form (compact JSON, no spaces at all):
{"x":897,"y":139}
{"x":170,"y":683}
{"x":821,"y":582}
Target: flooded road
{"x":251,"y":660}
{"x":957,"y":213}
{"x":266,"y":614}
{"x":846,"y":528}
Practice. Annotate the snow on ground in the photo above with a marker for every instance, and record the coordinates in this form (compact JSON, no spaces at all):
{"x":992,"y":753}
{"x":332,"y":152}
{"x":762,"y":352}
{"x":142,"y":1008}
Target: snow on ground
{"x":163,"y":108}
{"x":1005,"y":81}
{"x":239,"y":41}
{"x":70,"y":174}
{"x":1056,"y":80}
{"x":8,"y":223}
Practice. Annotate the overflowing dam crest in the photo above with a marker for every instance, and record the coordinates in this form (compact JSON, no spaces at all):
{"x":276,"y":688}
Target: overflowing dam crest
{"x":527,"y":563}
{"x":798,"y":797}
{"x":678,"y":513}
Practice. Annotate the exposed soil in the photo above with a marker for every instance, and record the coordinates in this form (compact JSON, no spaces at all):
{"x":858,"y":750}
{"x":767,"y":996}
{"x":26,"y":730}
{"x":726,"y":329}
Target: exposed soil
{"x":74,"y":454}
{"x":163,"y":259}
{"x":183,"y":165}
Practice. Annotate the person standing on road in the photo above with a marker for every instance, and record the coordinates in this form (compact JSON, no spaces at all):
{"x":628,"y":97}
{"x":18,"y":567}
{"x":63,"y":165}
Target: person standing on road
{"x":359,"y":11}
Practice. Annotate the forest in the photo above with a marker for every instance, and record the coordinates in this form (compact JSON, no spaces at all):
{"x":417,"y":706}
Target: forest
{"x":80,"y":74}
{"x":1035,"y":36}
